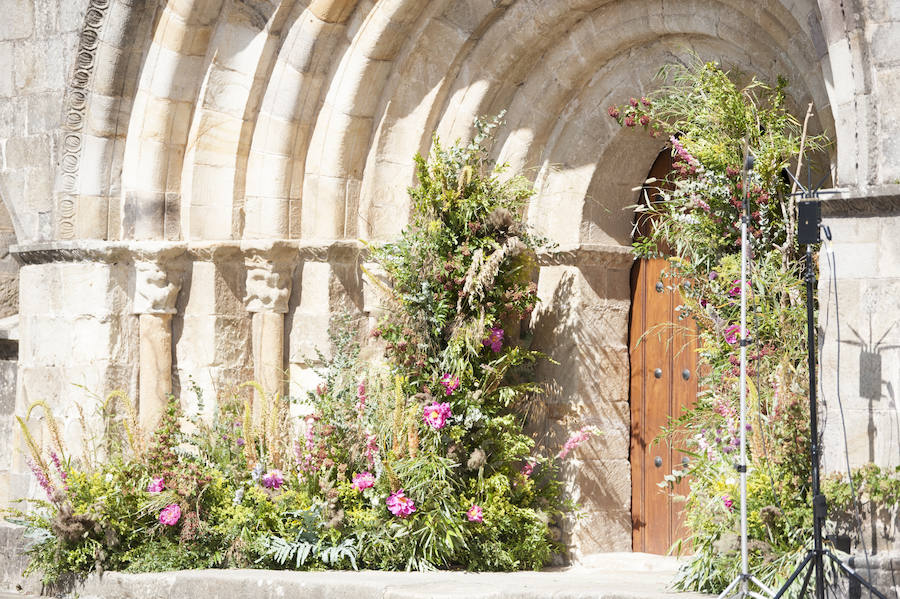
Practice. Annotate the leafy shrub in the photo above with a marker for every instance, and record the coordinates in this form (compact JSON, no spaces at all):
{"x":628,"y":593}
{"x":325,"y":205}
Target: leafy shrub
{"x":417,"y":460}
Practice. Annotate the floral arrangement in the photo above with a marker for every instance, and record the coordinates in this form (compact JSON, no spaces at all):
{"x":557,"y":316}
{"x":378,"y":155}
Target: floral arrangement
{"x":707,"y":118}
{"x":414,"y":460}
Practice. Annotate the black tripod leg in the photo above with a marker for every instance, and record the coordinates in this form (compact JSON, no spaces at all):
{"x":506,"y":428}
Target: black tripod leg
{"x":852,"y":574}
{"x":806,"y":581}
{"x":794,"y":575}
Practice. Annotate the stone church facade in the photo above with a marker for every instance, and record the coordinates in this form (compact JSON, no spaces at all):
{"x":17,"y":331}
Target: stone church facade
{"x":185,"y":183}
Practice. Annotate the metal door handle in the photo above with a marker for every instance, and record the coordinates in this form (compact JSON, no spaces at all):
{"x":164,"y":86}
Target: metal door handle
{"x":657,"y":461}
{"x":658,"y":373}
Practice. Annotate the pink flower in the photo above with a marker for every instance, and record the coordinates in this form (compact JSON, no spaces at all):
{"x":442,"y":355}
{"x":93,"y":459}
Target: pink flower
{"x":450,"y":383}
{"x":629,"y":121}
{"x":475,"y":514}
{"x":157,"y":484}
{"x":42,"y":478}
{"x":527,"y":469}
{"x":400,"y":505}
{"x":645,"y":120}
{"x":613,"y":112}
{"x":577,"y":438}
{"x":273,"y":479}
{"x":170,"y":514}
{"x":727,"y":501}
{"x":63,"y":475}
{"x":436,"y":415}
{"x":371,"y":447}
{"x":646,"y":102}
{"x":361,"y":398}
{"x":363,"y":480}
{"x":633,"y":102}
{"x":732,"y":333}
{"x":494,"y":340}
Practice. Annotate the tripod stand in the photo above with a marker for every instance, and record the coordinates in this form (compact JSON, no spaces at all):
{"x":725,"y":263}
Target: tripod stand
{"x":742,"y":582}
{"x":809,"y":217}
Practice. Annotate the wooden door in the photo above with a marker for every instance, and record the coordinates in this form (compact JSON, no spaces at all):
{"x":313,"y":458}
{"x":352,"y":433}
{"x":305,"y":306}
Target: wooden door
{"x":663,"y":384}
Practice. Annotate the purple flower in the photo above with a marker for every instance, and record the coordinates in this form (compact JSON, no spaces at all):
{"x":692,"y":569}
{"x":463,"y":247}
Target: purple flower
{"x":273,"y":479}
{"x":400,"y":505}
{"x":157,"y":484}
{"x":240,"y":442}
{"x":170,"y":514}
{"x":436,"y":415}
{"x":475,"y":514}
{"x":450,"y":383}
{"x":494,"y":340}
{"x":363,"y":480}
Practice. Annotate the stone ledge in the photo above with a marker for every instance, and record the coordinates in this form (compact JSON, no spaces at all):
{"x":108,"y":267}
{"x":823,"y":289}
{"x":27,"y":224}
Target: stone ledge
{"x":341,"y":251}
{"x":883,"y":200}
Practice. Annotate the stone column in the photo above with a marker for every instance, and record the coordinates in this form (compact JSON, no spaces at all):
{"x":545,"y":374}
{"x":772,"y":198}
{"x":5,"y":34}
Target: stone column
{"x":267,"y":293}
{"x":154,"y":303}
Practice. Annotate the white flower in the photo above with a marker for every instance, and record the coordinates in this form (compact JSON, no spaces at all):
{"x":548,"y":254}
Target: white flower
{"x":109,"y":477}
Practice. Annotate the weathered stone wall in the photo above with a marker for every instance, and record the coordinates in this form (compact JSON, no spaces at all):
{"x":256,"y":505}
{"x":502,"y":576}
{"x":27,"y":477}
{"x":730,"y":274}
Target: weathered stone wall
{"x":859,"y":319}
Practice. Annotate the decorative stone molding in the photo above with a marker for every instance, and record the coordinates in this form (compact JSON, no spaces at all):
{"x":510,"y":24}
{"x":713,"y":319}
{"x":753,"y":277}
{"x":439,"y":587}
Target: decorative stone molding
{"x":335,"y":252}
{"x":77,"y":101}
{"x":268,"y":280}
{"x":155,"y":290}
{"x":588,"y":254}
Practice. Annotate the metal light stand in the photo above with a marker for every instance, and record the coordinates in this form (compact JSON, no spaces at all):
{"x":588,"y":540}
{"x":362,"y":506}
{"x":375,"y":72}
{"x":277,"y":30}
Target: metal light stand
{"x":740,"y":586}
{"x":809,"y":219}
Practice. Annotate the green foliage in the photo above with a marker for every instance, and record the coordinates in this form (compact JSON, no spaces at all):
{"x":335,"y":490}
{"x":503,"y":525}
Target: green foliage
{"x":440,"y":418}
{"x":711,"y":121}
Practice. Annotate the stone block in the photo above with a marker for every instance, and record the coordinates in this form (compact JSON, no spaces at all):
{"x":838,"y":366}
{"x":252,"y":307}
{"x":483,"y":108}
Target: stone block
{"x":38,"y":66}
{"x":27,"y":152}
{"x":7,"y":72}
{"x":18,"y":22}
{"x":601,"y":532}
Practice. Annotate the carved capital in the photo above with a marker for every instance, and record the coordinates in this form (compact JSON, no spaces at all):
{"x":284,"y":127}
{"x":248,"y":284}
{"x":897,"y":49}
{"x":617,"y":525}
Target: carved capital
{"x":156,"y":287}
{"x":268,"y":286}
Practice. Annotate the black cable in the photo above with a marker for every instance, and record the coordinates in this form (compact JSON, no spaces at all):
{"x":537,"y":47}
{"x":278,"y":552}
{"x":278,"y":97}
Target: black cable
{"x":832,"y":263}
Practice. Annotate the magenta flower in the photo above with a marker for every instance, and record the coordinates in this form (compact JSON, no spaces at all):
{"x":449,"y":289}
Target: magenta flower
{"x":735,"y":291}
{"x":400,"y":505}
{"x":494,"y":340}
{"x":732,"y":333}
{"x":363,"y":480}
{"x":613,"y":112}
{"x":157,"y":484}
{"x":450,"y":383}
{"x":436,"y":415}
{"x":629,"y":121}
{"x":727,"y":501}
{"x":577,"y":438}
{"x":475,"y":514}
{"x":170,"y":514}
{"x":273,"y":479}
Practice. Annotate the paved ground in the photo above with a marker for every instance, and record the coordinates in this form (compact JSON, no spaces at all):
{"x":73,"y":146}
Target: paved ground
{"x":612,"y":576}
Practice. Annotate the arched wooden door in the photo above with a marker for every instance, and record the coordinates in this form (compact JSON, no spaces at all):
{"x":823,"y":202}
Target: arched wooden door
{"x":663,"y":383}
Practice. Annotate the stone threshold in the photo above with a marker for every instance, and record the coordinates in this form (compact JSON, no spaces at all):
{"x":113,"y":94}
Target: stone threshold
{"x":604,"y":576}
